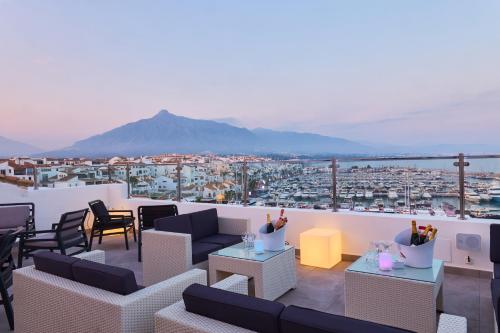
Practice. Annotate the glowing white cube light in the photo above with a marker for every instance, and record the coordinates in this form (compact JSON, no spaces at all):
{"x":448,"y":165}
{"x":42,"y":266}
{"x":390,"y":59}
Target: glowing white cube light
{"x":320,"y":247}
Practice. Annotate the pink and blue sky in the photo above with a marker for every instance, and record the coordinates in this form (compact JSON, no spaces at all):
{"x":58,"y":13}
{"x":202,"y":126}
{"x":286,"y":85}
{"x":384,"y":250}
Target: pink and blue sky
{"x":373,"y":71}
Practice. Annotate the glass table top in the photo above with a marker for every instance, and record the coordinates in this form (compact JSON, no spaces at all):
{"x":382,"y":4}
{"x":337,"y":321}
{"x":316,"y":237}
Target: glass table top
{"x":238,"y":251}
{"x":419,"y":274}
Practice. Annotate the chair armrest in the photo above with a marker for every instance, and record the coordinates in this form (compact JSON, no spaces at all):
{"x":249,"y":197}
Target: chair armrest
{"x":235,"y":283}
{"x":130,"y":212}
{"x":233,"y":226}
{"x":164,"y":255}
{"x":95,"y":256}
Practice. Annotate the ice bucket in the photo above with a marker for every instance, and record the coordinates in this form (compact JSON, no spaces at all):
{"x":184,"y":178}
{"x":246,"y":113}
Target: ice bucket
{"x":274,"y":241}
{"x":416,"y":256}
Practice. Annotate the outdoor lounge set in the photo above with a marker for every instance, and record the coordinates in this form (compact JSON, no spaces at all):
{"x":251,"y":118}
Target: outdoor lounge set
{"x":79,"y":292}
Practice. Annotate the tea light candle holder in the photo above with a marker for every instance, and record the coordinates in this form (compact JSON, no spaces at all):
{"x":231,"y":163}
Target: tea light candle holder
{"x":385,"y":261}
{"x":258,"y":246}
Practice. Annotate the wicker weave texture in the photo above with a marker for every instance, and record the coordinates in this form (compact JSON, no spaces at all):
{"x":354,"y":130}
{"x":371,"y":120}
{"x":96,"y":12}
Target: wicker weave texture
{"x":452,"y":324}
{"x":96,"y":256}
{"x":164,"y":254}
{"x":272,"y":278}
{"x":47,"y":303}
{"x":167,"y":254}
{"x":175,"y":318}
{"x":402,"y":303}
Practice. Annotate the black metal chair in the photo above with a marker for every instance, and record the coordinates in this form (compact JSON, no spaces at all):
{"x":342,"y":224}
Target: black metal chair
{"x":6,"y":267}
{"x":147,"y":215}
{"x":105,"y":220}
{"x":68,"y":233}
{"x":15,"y":215}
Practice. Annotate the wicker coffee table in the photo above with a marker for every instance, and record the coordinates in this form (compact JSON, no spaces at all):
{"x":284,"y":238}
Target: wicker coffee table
{"x":271,"y":273}
{"x":406,"y":298}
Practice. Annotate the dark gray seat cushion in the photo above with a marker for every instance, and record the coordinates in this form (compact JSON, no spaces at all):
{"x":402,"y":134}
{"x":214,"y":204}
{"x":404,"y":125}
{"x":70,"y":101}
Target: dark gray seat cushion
{"x":12,"y":217}
{"x":252,"y":313}
{"x":115,"y":279}
{"x":495,"y":297}
{"x":222,"y":239}
{"x":496,"y":270}
{"x":295,"y":319}
{"x":55,"y":263}
{"x":180,"y":224}
{"x":204,"y":223}
{"x":200,"y":251}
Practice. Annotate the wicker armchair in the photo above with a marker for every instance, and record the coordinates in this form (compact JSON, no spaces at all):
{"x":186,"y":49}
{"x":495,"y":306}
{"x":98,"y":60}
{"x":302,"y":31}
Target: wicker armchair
{"x":46,"y":303}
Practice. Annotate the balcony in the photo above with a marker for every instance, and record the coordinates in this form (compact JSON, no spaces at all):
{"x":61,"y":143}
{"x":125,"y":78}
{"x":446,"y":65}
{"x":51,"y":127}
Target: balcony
{"x":466,"y":285}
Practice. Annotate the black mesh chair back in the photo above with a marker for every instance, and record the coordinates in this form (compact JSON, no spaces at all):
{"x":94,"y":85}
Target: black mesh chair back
{"x":6,"y":267}
{"x":147,"y":216}
{"x":100,"y":211}
{"x":70,"y":229}
{"x":15,"y":215}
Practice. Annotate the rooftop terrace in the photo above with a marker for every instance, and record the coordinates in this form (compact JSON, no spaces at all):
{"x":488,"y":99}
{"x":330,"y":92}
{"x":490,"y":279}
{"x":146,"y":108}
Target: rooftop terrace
{"x":466,"y":286}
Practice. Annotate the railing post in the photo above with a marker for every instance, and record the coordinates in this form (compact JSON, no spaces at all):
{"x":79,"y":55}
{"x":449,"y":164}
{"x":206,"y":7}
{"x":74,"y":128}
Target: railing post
{"x":178,"y":169}
{"x":109,"y":173}
{"x":461,"y":164}
{"x":245,"y":183}
{"x":334,"y":184}
{"x":35,"y":177}
{"x":127,"y":171}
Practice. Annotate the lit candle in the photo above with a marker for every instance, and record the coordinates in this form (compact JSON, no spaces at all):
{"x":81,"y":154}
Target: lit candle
{"x":385,"y":261}
{"x":259,"y":246}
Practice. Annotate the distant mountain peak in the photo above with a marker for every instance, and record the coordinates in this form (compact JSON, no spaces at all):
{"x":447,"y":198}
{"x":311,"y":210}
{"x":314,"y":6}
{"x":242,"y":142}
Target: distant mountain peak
{"x":10,"y":148}
{"x":168,"y":133}
{"x":163,"y":113}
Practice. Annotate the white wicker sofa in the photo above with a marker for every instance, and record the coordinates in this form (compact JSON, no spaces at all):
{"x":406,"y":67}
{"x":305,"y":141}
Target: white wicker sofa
{"x":46,"y":303}
{"x":176,"y":319}
{"x":166,"y":254}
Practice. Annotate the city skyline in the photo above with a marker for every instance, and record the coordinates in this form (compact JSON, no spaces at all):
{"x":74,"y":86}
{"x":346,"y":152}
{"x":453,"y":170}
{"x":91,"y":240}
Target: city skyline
{"x":392,"y":72}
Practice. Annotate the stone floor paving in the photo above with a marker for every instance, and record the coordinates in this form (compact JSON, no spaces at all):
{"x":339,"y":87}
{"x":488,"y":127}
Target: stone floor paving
{"x":323,"y":289}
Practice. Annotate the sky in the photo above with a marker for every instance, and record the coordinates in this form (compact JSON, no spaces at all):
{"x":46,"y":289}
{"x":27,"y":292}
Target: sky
{"x":405,"y":72}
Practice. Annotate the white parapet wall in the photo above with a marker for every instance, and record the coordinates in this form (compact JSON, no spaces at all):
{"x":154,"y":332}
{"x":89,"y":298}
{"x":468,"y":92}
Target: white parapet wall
{"x":358,"y":229}
{"x":50,"y":203}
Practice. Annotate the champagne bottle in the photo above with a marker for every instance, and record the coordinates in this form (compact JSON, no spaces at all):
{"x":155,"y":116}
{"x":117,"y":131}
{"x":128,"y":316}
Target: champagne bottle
{"x":269,"y":225}
{"x":415,"y":238}
{"x":433,"y":234}
{"x":423,"y":236}
{"x":281,"y":221}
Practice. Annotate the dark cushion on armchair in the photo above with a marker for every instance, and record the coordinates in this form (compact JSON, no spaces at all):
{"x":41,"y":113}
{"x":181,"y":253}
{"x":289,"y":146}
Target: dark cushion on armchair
{"x":200,"y":251}
{"x":204,"y":223}
{"x":222,"y":239}
{"x":495,"y":297}
{"x":115,"y":279}
{"x":180,"y":224}
{"x":495,"y":242}
{"x":55,"y":264}
{"x":295,"y":319}
{"x":252,"y":313}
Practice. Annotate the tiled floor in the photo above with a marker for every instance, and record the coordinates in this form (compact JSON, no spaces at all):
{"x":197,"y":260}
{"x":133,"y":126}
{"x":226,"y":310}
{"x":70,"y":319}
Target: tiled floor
{"x":323,"y":289}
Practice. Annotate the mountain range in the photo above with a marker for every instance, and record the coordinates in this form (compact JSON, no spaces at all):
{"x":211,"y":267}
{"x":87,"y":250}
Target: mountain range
{"x":169,"y":133}
{"x":10,"y":148}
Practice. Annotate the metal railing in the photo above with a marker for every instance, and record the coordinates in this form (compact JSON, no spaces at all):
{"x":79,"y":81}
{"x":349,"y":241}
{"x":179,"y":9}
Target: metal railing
{"x":459,"y":161}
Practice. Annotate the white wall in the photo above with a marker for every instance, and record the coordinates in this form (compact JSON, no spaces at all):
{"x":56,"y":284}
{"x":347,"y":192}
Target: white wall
{"x":358,"y":229}
{"x":50,"y":203}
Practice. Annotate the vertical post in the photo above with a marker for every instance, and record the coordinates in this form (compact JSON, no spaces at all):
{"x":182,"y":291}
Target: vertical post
{"x":178,"y":169}
{"x":127,"y":171}
{"x":35,"y":177}
{"x":461,"y":164}
{"x":245,"y":183}
{"x":334,"y":184}
{"x":109,"y":173}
